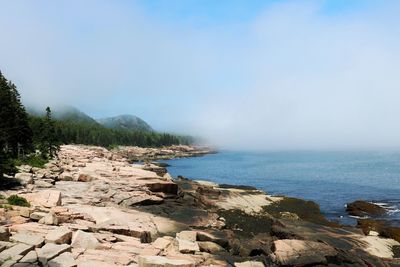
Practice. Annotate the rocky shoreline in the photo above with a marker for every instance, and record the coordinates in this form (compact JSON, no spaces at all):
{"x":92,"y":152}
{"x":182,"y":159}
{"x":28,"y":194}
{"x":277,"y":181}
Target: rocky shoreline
{"x":92,"y":207}
{"x":134,"y":154}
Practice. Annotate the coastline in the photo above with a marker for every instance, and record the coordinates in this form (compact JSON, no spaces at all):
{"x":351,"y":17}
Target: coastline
{"x":137,"y":215}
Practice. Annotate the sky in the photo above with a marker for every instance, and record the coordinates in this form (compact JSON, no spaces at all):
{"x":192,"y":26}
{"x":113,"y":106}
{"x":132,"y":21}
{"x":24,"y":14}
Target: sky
{"x":242,"y":74}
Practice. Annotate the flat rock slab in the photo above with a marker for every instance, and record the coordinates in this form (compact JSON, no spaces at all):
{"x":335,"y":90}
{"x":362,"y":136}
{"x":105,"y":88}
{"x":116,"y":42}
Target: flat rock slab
{"x":158,"y":261}
{"x":64,"y":260}
{"x":100,"y":258}
{"x":32,"y":228}
{"x":60,"y":235}
{"x":301,"y":253}
{"x":50,"y":251}
{"x":126,"y":222}
{"x":29,"y":239}
{"x":30,"y":257}
{"x":19,"y":249}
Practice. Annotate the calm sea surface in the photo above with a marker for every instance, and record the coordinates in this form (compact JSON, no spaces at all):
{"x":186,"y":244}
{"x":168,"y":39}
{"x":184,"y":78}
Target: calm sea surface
{"x":331,"y":179}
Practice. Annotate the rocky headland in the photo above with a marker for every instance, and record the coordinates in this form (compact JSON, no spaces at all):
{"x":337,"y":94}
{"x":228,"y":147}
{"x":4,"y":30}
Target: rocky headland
{"x":93,"y":207}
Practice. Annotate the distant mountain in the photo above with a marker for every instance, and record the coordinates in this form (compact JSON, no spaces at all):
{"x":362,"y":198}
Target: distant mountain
{"x":125,"y":122}
{"x":65,"y":113}
{"x":69,"y":113}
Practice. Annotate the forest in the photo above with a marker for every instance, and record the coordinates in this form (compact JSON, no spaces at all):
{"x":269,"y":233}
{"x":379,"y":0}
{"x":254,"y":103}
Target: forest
{"x":33,"y":139}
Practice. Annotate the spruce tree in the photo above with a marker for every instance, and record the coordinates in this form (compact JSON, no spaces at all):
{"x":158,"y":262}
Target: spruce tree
{"x":15,"y":133}
{"x":49,"y":144}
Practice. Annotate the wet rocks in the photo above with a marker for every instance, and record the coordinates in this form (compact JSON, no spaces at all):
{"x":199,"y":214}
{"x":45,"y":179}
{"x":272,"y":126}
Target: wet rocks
{"x":382,"y":227}
{"x":362,"y":208}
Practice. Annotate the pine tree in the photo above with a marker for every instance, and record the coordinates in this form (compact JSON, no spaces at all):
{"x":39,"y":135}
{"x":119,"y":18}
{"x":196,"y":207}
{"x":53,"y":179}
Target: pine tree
{"x":49,"y":143}
{"x":15,"y":133}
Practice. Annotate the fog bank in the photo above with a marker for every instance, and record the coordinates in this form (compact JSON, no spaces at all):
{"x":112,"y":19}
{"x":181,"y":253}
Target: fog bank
{"x":293,"y":76}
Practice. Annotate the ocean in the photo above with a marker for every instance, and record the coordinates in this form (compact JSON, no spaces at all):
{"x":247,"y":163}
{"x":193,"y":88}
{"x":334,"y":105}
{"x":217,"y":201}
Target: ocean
{"x":331,"y":179}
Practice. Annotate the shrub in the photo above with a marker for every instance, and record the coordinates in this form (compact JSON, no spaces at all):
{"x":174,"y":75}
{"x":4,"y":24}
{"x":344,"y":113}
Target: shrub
{"x":18,"y":201}
{"x":32,"y":160}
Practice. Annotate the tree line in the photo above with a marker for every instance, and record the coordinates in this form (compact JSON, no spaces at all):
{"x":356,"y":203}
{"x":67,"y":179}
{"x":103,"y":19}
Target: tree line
{"x":25,"y":138}
{"x":69,"y":132}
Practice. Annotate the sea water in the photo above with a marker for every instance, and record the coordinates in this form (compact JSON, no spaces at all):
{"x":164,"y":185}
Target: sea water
{"x":331,"y":179}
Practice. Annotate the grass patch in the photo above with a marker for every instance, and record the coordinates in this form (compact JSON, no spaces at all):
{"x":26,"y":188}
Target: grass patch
{"x":6,"y":207}
{"x":32,"y":160}
{"x":112,"y":147}
{"x":18,"y":201}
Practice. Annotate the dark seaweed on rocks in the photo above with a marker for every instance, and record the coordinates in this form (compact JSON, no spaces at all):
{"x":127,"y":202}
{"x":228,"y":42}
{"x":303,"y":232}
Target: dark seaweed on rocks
{"x":246,"y":224}
{"x":306,"y":210}
{"x":363,"y":208}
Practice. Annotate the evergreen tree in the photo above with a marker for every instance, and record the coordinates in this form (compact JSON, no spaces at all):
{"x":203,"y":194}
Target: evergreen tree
{"x":15,"y":133}
{"x":49,"y":144}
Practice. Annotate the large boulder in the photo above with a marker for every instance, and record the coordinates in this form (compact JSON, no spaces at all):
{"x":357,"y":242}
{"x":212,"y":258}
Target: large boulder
{"x":61,"y":235}
{"x":24,"y":178}
{"x":84,"y":240}
{"x":210,"y":247}
{"x":49,"y":219}
{"x":162,"y":242}
{"x":187,"y":235}
{"x":46,"y":198}
{"x":361,"y":208}
{"x":186,"y":246}
{"x":214,"y":236}
{"x":85,"y":177}
{"x":37,"y":215}
{"x":66,"y":176}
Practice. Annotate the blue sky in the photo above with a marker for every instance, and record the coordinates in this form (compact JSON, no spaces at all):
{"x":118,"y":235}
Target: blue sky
{"x":259,"y":74}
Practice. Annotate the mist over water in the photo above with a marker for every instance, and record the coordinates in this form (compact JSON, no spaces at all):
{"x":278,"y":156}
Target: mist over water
{"x":290,"y":75}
